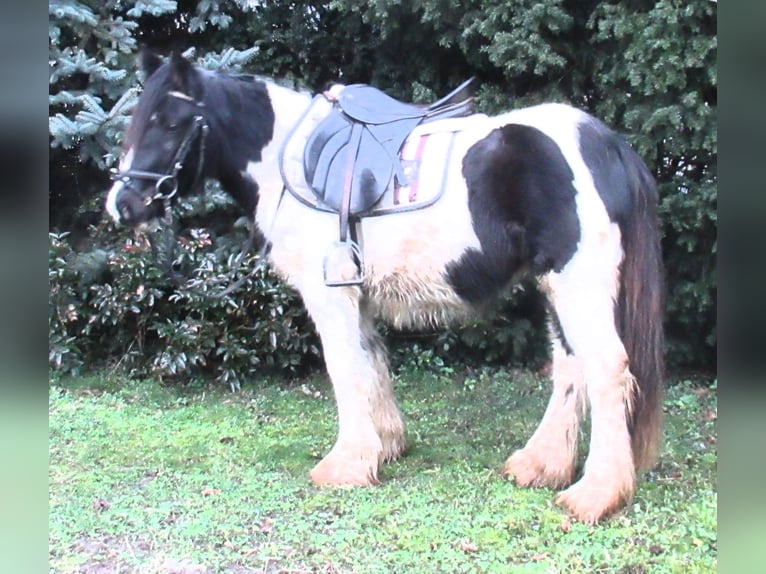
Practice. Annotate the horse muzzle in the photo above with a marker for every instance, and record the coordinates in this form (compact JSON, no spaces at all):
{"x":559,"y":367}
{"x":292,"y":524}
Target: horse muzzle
{"x":130,"y":203}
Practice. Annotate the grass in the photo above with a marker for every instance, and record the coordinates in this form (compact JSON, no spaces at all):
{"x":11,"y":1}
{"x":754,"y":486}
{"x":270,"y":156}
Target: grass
{"x":146,"y":478}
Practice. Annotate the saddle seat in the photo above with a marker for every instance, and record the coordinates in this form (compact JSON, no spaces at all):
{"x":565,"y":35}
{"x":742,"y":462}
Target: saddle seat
{"x":370,"y":105}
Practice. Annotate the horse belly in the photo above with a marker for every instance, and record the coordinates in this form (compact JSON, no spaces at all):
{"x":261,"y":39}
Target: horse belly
{"x":405,"y":303}
{"x":406,"y":256}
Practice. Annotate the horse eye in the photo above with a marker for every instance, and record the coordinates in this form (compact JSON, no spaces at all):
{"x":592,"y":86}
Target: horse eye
{"x":172,"y":127}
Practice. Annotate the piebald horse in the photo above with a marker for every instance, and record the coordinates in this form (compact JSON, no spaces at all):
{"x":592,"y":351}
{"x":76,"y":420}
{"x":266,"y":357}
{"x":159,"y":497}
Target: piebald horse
{"x":546,"y":190}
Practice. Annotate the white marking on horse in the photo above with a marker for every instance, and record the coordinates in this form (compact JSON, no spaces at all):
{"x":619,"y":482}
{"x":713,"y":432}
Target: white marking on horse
{"x":286,"y":103}
{"x":111,"y":198}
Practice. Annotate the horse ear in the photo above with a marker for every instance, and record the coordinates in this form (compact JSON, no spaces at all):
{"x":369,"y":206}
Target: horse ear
{"x":184,"y":76}
{"x":149,"y":62}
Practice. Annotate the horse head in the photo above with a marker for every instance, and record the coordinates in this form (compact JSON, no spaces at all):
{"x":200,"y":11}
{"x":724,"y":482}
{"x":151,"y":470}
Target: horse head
{"x":165,"y":144}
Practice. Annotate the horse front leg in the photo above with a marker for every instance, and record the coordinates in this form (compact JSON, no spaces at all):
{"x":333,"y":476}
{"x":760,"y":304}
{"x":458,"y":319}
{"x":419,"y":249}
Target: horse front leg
{"x":370,"y":427}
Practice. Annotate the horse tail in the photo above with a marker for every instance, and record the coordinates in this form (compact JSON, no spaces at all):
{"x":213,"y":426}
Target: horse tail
{"x":639,"y":311}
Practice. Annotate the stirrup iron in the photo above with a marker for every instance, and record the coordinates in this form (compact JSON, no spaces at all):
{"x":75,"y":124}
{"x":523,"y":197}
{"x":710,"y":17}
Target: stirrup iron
{"x":342,"y":253}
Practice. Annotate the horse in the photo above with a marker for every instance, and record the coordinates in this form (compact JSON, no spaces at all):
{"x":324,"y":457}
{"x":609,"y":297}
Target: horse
{"x":546,"y":191}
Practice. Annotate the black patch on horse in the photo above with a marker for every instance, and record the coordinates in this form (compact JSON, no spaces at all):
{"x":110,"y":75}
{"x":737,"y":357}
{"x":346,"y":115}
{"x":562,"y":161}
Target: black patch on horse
{"x":522,"y":204}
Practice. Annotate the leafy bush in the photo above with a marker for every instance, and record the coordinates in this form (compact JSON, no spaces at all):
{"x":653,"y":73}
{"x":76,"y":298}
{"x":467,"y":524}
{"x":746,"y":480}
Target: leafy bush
{"x":117,"y":308}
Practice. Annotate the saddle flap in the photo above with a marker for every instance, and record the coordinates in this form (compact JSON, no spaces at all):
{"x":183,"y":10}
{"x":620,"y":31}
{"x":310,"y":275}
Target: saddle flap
{"x":329,"y":138}
{"x":327,"y":162}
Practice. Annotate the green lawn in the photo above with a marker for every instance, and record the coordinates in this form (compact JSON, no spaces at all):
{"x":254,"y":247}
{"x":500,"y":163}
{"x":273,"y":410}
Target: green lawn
{"x":146,"y":478}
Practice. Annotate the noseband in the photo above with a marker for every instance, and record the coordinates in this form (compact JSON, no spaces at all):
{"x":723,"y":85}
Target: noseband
{"x":166,"y":184}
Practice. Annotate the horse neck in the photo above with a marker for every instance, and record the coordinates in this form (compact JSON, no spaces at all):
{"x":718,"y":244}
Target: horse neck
{"x":288,"y":106}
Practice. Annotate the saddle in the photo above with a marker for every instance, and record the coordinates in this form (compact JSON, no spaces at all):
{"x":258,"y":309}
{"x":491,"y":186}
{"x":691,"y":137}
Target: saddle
{"x":352,"y":156}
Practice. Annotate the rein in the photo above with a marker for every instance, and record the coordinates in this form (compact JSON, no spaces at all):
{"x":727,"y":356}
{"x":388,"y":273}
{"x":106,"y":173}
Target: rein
{"x":262,"y":253}
{"x":168,"y":242}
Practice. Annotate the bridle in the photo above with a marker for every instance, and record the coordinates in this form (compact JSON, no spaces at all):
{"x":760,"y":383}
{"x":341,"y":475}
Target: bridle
{"x":166,"y":184}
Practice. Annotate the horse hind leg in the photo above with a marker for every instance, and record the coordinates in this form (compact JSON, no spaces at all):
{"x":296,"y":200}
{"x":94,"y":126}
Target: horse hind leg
{"x":550,"y":455}
{"x":584,"y":297}
{"x":609,"y":477}
{"x":370,"y":427}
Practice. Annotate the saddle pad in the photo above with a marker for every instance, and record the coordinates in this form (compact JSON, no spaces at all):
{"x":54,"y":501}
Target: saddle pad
{"x":424,"y":155}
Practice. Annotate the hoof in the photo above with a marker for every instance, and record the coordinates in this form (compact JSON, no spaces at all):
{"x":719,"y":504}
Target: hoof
{"x":336,"y":471}
{"x":528,"y":470}
{"x":590,"y":501}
